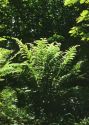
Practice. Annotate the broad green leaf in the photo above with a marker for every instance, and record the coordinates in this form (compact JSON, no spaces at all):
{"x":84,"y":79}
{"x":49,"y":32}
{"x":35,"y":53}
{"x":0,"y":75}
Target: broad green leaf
{"x":70,"y":2}
{"x":82,"y":1}
{"x":83,"y":16}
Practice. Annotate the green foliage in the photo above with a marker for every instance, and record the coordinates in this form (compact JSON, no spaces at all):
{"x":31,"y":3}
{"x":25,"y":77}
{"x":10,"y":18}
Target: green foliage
{"x":83,"y":16}
{"x":42,"y":56}
{"x":9,"y":112}
{"x":71,"y":2}
{"x":4,"y":53}
{"x":82,"y":22}
{"x":40,"y":84}
{"x":42,"y":76}
{"x":4,"y":3}
{"x":56,"y":38}
{"x":29,"y":19}
{"x":68,"y":2}
{"x":85,"y":121}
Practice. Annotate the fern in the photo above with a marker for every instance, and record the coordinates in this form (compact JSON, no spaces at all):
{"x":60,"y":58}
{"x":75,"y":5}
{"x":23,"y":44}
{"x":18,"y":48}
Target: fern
{"x":4,"y":55}
{"x":44,"y":61}
{"x":70,"y":55}
{"x":11,"y":69}
{"x":42,"y":78}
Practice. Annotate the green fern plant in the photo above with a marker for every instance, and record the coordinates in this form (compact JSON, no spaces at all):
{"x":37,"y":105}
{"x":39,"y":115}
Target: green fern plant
{"x":43,"y":59}
{"x":43,"y":76}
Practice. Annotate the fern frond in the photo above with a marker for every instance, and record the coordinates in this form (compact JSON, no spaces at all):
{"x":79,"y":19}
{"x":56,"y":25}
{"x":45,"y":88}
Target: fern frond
{"x":2,"y":39}
{"x":70,"y":55}
{"x":10,"y":69}
{"x":23,"y":49}
{"x":4,"y":55}
{"x":77,"y":67}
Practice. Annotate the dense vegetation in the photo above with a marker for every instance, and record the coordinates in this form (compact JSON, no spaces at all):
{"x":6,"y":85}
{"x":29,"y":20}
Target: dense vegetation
{"x":44,"y":62}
